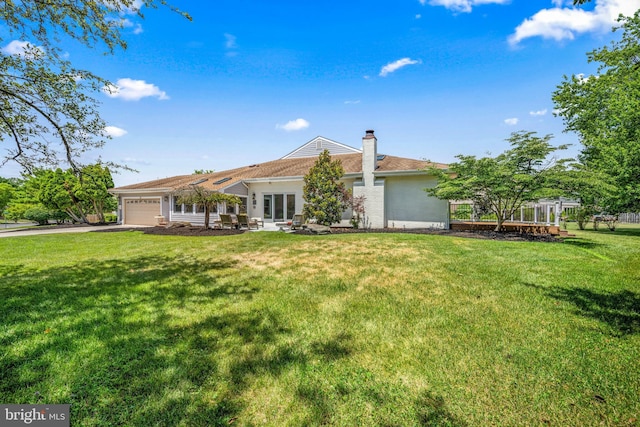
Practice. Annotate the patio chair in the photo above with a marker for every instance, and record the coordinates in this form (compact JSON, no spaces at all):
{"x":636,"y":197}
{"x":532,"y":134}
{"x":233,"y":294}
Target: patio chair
{"x":226,"y":221}
{"x":244,"y":221}
{"x":297,"y":221}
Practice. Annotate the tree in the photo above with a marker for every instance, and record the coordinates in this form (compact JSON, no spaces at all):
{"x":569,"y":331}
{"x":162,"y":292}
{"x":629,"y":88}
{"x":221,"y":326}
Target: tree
{"x":502,"y":184}
{"x":590,"y":186}
{"x":76,"y":193}
{"x":202,"y":171}
{"x":95,"y":181}
{"x":21,"y":202}
{"x":323,"y":192}
{"x":6,"y":194}
{"x":59,"y":190}
{"x":604,"y":110}
{"x":198,"y":195}
{"x":46,"y":108}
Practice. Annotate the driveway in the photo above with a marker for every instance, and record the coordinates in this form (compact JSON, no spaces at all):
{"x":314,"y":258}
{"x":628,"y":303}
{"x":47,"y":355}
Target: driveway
{"x":79,"y":228}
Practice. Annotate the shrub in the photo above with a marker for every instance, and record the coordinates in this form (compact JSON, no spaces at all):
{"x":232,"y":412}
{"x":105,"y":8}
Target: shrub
{"x":110,"y":217}
{"x":39,"y":215}
{"x":58,"y":216}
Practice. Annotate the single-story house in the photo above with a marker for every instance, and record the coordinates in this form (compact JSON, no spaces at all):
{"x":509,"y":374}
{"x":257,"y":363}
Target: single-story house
{"x":393,"y":189}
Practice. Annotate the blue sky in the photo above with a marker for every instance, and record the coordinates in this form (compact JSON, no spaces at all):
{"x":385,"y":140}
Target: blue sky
{"x":249,"y":81}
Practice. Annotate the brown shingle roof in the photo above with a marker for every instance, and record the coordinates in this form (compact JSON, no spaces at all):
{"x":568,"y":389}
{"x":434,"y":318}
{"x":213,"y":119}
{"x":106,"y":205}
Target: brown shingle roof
{"x":295,"y":167}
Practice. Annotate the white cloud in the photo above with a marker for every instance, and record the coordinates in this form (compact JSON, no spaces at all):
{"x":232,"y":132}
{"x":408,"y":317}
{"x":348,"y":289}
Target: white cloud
{"x":114,"y":132}
{"x":418,"y":16}
{"x":133,"y":90}
{"x":297,"y":124}
{"x":511,"y":122}
{"x":538,"y":113}
{"x":357,"y":101}
{"x":564,"y":23}
{"x":230,"y":41}
{"x":131,"y":160}
{"x":462,"y":5}
{"x":20,"y":48}
{"x":395,"y":66}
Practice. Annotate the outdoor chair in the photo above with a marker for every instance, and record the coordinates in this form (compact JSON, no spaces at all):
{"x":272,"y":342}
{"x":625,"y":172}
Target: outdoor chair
{"x":226,"y":221}
{"x":297,"y":221}
{"x":245,"y":222}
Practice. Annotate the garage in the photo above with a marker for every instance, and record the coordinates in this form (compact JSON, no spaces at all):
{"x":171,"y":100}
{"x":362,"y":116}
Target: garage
{"x":141,"y":211}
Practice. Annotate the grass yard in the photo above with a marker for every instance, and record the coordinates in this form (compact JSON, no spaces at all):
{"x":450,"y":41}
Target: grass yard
{"x":353,"y":329}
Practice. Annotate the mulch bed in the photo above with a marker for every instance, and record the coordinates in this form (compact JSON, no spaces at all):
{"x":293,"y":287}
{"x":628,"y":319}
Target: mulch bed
{"x":490,"y":235}
{"x":177,"y":231}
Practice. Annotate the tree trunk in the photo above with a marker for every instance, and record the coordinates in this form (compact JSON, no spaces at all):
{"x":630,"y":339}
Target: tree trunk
{"x":206,"y":215}
{"x":499,"y":226}
{"x":99,"y":211}
{"x":73,"y":216}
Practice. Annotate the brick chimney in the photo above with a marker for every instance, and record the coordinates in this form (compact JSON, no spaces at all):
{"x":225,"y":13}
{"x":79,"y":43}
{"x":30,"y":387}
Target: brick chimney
{"x":369,"y":157}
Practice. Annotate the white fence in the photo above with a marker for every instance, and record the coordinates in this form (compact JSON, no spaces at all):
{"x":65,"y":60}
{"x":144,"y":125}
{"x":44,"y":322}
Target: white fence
{"x":629,"y":218}
{"x":543,"y":212}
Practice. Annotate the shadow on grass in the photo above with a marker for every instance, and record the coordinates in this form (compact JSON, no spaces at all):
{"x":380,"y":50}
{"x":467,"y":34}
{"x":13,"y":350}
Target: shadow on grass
{"x":581,"y":243}
{"x":171,"y":340}
{"x":105,"y":334}
{"x":618,"y":310}
{"x":433,"y":412}
{"x":386,"y":403}
{"x":621,"y":230}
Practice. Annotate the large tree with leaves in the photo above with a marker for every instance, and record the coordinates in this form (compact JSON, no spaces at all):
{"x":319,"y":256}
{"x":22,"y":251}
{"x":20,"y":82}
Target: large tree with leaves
{"x":604,"y":110}
{"x":323,"y":191}
{"x":77,"y":193}
{"x":48,"y":113}
{"x":502,"y":184}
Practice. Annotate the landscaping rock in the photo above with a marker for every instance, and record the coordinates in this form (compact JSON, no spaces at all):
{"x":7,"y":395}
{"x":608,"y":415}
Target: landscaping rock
{"x":319,"y":229}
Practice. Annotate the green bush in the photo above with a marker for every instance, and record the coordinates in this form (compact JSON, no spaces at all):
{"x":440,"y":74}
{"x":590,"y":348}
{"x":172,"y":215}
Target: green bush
{"x":110,"y":217}
{"x":39,"y":215}
{"x":58,"y":216}
{"x":15,"y":211}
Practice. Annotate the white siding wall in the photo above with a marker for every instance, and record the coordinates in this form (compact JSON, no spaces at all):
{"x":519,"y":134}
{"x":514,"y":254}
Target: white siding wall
{"x":318,"y":145}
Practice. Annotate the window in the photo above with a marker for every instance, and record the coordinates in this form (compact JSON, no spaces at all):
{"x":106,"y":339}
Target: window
{"x":177,"y":207}
{"x":279,"y":207}
{"x":230,"y":209}
{"x":291,"y":205}
{"x":278,"y":203}
{"x":267,"y":207}
{"x":221,"y":181}
{"x":199,"y":208}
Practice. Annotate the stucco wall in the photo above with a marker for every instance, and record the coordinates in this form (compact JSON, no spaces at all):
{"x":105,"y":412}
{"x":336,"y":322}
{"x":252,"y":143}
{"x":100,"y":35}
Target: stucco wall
{"x":283,"y":187}
{"x":407,"y":205}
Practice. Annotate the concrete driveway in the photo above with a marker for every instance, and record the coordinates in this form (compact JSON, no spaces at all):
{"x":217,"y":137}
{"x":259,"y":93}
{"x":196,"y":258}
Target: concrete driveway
{"x":80,"y":228}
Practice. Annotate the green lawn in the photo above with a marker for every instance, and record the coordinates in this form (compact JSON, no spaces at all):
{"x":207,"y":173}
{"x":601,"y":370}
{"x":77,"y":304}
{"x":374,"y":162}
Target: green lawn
{"x":279,"y":329}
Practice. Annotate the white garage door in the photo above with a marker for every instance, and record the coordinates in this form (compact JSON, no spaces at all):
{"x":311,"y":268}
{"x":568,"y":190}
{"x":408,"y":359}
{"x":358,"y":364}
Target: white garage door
{"x":141,"y":211}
